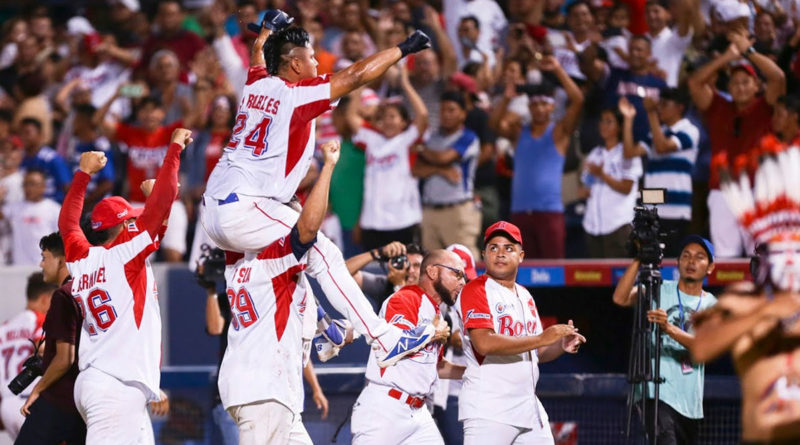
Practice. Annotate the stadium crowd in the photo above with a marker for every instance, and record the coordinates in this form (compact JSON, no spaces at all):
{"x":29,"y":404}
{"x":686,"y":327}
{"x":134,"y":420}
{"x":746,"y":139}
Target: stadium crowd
{"x":548,"y":113}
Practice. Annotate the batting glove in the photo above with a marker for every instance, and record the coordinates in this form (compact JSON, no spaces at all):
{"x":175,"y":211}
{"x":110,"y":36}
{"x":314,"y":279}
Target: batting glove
{"x":274,"y":19}
{"x":415,"y":43}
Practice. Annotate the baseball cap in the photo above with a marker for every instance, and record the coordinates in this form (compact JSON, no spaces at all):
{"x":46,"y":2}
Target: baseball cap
{"x":746,"y":67}
{"x":704,"y":243}
{"x":112,"y":211}
{"x":503,"y":228}
{"x":469,"y":261}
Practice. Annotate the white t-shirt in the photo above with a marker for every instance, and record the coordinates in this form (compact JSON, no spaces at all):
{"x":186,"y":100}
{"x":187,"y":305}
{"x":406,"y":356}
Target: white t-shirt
{"x":272,"y":141}
{"x":606,"y":209}
{"x":16,"y":348}
{"x":667,"y":49}
{"x":391,"y":193}
{"x":30,"y":221}
{"x":416,"y":375}
{"x":103,"y":81}
{"x":264,"y":357}
{"x":495,"y":387}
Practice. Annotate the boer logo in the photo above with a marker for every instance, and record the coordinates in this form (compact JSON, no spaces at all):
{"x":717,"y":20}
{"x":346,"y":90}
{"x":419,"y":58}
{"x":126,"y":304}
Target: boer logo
{"x":500,"y":308}
{"x":472,"y":314}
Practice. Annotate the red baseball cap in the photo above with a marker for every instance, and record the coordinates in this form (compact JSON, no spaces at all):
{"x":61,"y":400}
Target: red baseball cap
{"x":503,"y":228}
{"x":746,"y":67}
{"x":469,"y":261}
{"x":112,"y":211}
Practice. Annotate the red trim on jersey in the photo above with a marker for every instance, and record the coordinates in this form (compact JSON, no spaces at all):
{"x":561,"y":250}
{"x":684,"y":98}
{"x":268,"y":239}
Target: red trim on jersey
{"x":328,"y":269}
{"x":475,"y":306}
{"x":136,"y":275}
{"x":39,"y":323}
{"x":232,"y":258}
{"x":402,"y":310}
{"x":255,"y":73}
{"x":278,"y":249}
{"x":300,"y":130}
{"x":284,"y":286}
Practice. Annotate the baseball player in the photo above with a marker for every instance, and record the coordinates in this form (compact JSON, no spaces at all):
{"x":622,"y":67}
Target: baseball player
{"x":269,"y":153}
{"x":120,"y":350}
{"x":392,"y":407}
{"x":16,"y":343}
{"x":503,"y":342}
{"x":261,"y":376}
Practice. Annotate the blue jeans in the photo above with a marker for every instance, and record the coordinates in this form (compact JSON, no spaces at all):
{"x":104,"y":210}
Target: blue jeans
{"x":226,"y":427}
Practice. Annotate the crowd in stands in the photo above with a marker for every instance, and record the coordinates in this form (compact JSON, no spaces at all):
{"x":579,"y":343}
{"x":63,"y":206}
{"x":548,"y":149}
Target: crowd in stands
{"x":552,"y":114}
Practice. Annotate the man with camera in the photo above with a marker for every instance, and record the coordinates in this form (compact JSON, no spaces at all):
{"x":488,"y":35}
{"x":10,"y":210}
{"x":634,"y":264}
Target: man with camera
{"x":680,"y":404}
{"x":402,"y":263}
{"x":20,"y":338}
{"x":51,"y":416}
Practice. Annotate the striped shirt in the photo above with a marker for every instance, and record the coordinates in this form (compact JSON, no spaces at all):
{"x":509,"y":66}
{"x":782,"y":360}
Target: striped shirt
{"x":673,"y":171}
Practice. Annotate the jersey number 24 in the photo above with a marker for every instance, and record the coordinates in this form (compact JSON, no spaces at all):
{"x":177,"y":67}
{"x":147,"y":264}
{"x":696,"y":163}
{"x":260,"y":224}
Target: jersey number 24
{"x":256,"y":139}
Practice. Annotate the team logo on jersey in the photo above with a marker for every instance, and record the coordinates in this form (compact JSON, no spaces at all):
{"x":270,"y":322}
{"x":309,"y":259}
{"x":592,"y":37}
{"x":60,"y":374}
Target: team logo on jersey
{"x":500,"y":308}
{"x":472,"y":314}
{"x":132,"y":227}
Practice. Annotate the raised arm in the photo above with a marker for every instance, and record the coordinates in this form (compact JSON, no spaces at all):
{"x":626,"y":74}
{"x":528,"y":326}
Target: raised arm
{"x":625,"y":292}
{"x":316,"y":205}
{"x":366,"y":70}
{"x":498,"y":119}
{"x":274,"y":20}
{"x":420,"y":110}
{"x":630,"y":148}
{"x":165,"y":190}
{"x":563,"y":131}
{"x":445,"y":46}
{"x":776,"y":80}
{"x":700,"y":87}
{"x":69,"y":220}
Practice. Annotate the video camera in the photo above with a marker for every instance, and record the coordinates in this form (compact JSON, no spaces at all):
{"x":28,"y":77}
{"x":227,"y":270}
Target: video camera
{"x":645,"y":238}
{"x":212,"y":261}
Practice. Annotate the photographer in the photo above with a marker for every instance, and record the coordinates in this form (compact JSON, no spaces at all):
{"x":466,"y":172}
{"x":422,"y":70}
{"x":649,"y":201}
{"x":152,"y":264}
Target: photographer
{"x":402,"y":263}
{"x":680,"y":405}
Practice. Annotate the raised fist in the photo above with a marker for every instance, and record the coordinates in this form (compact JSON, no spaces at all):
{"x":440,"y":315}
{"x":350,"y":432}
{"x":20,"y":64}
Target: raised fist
{"x":92,"y":162}
{"x":415,"y":43}
{"x":274,"y":19}
{"x":182,"y":137}
{"x":331,"y":151}
{"x":147,"y":186}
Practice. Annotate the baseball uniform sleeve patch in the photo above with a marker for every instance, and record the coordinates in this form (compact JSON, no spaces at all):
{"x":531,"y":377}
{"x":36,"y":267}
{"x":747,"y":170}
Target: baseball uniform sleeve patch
{"x":402,"y":309}
{"x":475,"y":306}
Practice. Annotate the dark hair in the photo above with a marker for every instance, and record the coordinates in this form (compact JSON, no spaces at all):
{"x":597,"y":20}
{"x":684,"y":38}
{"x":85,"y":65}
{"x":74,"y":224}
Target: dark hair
{"x":471,"y":68}
{"x":540,"y":89}
{"x":282,"y":43}
{"x":95,"y":237}
{"x":617,"y":116}
{"x":471,"y":18}
{"x":85,"y":110}
{"x":150,"y":100}
{"x":792,"y":104}
{"x":36,"y":286}
{"x":397,"y":106}
{"x":415,"y":249}
{"x":6,"y":115}
{"x":36,"y":171}
{"x":31,"y":121}
{"x":454,"y":96}
{"x":242,"y":3}
{"x":31,"y":84}
{"x":53,"y":244}
{"x":575,"y":4}
{"x":677,"y":95}
{"x":641,"y":37}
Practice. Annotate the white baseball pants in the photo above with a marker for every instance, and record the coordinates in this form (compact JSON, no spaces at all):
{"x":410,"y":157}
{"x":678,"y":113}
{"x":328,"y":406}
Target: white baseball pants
{"x":252,"y":223}
{"x":269,"y":422}
{"x":380,"y":419}
{"x":115,"y":413}
{"x":483,"y":431}
{"x":9,"y":412}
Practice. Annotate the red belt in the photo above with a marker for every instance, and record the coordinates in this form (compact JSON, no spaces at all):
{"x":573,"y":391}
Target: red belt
{"x":414,"y":402}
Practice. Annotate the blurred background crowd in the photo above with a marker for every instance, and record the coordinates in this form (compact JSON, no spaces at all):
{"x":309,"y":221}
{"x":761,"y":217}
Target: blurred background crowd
{"x":549,"y":113}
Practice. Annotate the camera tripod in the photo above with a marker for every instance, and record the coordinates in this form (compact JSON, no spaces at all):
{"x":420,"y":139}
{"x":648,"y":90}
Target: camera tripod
{"x":644,"y":360}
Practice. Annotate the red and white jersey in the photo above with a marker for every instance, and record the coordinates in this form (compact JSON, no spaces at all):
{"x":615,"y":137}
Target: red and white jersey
{"x":416,"y":374}
{"x":391,"y":192}
{"x":499,"y":388}
{"x":272,"y":141}
{"x":267,"y":295}
{"x":15,"y":347}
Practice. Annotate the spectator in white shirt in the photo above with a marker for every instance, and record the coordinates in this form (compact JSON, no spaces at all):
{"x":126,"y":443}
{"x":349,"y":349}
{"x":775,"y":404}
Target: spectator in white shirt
{"x":30,"y":219}
{"x":612,"y":182}
{"x":669,"y":44}
{"x":468,"y":46}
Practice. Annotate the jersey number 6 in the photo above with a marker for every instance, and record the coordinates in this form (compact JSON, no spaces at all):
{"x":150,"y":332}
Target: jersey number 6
{"x":256,"y":140}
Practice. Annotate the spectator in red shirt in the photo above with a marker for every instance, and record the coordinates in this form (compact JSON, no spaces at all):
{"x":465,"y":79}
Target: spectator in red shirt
{"x":171,"y":36}
{"x":736,"y":126}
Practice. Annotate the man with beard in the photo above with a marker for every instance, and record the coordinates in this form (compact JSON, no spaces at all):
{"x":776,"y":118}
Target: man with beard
{"x":680,"y":404}
{"x":391,"y":409}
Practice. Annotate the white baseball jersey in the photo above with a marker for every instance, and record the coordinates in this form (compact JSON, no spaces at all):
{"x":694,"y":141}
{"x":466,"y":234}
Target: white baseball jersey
{"x":264,"y":357}
{"x":391,"y":193}
{"x":272,"y":140}
{"x":15,"y":347}
{"x":30,"y":221}
{"x":416,"y":374}
{"x":499,"y":388}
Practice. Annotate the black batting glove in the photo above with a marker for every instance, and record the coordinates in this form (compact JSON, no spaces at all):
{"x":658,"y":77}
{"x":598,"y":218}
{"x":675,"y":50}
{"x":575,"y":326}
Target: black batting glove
{"x":415,"y":43}
{"x":274,"y":19}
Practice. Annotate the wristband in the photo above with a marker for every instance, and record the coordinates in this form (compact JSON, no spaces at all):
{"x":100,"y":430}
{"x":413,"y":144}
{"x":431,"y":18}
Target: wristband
{"x":750,"y":51}
{"x":375,"y":255}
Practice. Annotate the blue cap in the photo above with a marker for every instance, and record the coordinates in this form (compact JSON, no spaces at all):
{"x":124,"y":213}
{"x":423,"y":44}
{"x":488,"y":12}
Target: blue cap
{"x":704,"y":243}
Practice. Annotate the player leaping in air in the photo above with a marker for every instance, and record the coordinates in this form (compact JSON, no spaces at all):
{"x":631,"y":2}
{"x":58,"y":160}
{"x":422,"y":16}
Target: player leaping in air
{"x":270,"y":151}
